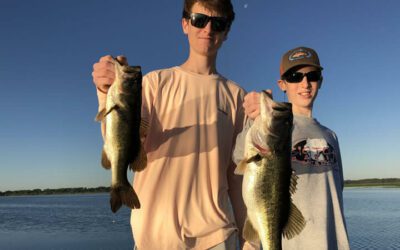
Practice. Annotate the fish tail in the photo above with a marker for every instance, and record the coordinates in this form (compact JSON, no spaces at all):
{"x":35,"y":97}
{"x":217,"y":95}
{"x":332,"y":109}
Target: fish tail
{"x":123,"y":195}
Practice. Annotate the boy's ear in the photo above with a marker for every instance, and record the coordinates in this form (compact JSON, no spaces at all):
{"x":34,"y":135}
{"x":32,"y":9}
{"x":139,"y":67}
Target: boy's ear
{"x":185,"y":25}
{"x":282,"y":85}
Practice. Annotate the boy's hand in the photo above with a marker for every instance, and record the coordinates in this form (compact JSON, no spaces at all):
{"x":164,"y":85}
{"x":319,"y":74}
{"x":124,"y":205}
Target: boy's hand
{"x":103,"y":72}
{"x":251,"y":104}
{"x":103,"y":76}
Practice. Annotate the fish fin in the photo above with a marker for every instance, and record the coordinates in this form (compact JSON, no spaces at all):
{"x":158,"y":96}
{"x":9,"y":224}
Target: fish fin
{"x":295,"y":223}
{"x":104,"y":112}
{"x":123,"y":195}
{"x":249,"y":233}
{"x":144,"y":126}
{"x":140,"y":162}
{"x":105,"y":162}
{"x":241,"y":167}
{"x":293,"y":183}
{"x":100,"y":115}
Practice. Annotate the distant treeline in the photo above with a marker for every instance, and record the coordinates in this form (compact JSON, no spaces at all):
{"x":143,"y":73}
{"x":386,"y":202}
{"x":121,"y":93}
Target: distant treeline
{"x":48,"y":191}
{"x":389,"y":182}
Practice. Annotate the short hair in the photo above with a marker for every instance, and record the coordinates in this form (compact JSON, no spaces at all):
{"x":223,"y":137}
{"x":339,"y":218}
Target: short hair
{"x":223,"y":7}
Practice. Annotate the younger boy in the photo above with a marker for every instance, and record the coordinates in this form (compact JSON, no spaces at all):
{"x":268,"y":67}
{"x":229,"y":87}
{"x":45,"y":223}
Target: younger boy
{"x":316,"y":156}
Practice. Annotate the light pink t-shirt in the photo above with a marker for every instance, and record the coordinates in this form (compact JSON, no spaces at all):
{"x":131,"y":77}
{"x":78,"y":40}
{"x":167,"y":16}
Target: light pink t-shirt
{"x":193,"y":122}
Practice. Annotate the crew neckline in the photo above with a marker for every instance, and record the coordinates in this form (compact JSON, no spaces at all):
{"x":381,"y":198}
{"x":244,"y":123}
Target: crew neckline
{"x":217,"y":75}
{"x":305,"y":118}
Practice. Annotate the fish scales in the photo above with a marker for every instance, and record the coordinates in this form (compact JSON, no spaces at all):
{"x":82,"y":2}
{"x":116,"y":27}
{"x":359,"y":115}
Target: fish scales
{"x":268,"y":179}
{"x":122,"y":146}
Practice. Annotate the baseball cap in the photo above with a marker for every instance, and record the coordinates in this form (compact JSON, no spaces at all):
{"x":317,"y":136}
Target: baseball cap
{"x":299,"y":56}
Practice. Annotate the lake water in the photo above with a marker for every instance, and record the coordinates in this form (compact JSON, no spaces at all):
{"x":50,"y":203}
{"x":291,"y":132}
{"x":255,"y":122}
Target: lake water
{"x":63,"y":222}
{"x":373,"y":217}
{"x":86,"y":221}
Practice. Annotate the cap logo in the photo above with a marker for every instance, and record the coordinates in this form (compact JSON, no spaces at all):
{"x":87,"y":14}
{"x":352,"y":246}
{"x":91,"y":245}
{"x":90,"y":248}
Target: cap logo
{"x":299,"y":54}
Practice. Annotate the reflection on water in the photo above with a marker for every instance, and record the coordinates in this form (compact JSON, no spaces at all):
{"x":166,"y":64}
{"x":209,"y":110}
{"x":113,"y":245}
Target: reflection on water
{"x":63,"y":222}
{"x":86,"y":221}
{"x":373,"y":217}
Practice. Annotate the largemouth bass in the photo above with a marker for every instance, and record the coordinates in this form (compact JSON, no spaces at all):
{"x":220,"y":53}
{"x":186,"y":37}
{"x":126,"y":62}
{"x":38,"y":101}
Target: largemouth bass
{"x":122,"y":146}
{"x":268,"y":179}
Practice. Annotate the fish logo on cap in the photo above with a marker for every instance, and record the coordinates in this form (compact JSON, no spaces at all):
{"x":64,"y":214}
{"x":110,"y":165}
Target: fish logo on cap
{"x":299,"y":54}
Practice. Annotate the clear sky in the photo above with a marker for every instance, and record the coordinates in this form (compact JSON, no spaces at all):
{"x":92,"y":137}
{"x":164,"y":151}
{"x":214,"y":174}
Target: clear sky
{"x":48,"y":137}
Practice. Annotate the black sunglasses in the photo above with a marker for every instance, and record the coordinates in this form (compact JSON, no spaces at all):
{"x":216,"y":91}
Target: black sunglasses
{"x":198,"y":20}
{"x":296,"y":77}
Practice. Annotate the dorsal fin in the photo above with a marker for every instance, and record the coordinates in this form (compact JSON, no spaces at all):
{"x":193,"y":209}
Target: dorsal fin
{"x":140,"y":162}
{"x":293,"y":183}
{"x":295,"y":223}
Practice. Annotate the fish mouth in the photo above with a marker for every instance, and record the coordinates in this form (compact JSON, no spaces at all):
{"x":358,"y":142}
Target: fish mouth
{"x":282,"y":107}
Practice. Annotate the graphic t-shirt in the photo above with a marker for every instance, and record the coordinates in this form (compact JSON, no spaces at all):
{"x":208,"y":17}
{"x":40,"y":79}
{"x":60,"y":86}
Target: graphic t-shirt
{"x":317,"y":162}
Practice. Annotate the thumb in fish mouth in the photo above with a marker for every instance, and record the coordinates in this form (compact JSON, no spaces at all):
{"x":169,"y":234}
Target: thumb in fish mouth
{"x":122,"y":60}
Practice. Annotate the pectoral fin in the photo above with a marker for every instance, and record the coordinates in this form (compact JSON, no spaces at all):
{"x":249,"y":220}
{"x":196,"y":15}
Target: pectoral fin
{"x":100,"y":116}
{"x":104,"y":112}
{"x":249,"y":233}
{"x":241,"y":167}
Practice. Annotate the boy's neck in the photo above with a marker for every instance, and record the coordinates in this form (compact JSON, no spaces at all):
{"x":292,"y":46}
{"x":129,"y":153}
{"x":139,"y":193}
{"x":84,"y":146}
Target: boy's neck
{"x":302,"y":111}
{"x":201,"y":64}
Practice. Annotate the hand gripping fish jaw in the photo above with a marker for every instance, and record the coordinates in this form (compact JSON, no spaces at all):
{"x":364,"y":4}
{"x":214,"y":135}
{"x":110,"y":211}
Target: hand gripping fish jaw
{"x":122,"y":146}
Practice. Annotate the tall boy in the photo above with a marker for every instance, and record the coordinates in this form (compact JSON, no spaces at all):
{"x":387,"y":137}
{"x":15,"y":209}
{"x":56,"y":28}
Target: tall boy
{"x":194,"y":115}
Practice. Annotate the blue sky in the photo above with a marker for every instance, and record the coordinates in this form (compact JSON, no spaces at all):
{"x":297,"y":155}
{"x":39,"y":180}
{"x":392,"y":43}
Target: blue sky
{"x":48,"y":137}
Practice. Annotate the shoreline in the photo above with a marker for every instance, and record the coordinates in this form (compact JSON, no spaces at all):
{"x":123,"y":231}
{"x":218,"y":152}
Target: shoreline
{"x":58,"y":191}
{"x":367,"y":183}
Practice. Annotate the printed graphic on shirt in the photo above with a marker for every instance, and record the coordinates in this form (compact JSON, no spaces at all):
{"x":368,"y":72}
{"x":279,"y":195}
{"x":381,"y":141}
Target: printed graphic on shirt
{"x":314,"y":152}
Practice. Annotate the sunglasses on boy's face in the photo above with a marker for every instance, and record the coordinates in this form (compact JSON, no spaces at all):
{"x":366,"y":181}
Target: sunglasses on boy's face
{"x":198,"y":20}
{"x":296,"y":77}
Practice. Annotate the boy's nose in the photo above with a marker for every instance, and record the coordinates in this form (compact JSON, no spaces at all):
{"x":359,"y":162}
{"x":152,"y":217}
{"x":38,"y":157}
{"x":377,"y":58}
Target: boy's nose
{"x":305,"y":82}
{"x":207,"y":28}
